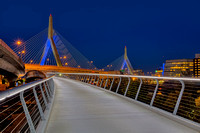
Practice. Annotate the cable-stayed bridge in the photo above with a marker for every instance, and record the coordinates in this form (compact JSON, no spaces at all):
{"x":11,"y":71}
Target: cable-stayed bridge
{"x":80,"y":98}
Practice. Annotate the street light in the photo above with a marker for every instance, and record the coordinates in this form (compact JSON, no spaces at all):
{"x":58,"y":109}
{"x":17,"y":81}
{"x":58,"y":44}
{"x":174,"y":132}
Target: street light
{"x":18,"y":42}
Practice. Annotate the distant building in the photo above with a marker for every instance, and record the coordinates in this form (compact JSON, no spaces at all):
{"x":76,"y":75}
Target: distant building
{"x":179,"y":68}
{"x":158,"y":73}
{"x":138,"y":72}
{"x":196,"y":66}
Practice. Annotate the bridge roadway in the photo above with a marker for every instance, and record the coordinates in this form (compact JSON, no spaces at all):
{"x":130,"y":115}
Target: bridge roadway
{"x":81,"y":108}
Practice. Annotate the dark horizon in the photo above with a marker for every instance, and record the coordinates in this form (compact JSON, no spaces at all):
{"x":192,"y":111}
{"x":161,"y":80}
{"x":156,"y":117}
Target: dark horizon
{"x":153,"y":31}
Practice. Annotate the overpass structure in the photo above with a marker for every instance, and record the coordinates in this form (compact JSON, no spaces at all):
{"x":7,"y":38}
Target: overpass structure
{"x":87,"y":103}
{"x":10,"y":64}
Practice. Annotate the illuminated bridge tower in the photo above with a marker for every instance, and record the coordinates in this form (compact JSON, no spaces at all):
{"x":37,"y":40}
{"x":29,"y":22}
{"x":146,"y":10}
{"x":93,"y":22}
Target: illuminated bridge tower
{"x":50,"y":43}
{"x":126,"y":63}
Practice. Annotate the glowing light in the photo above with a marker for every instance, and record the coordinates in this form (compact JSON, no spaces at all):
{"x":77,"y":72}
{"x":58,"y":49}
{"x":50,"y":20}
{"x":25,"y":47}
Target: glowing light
{"x":23,"y":51}
{"x":31,"y":61}
{"x":18,"y":42}
{"x":65,"y":57}
{"x":66,"y":64}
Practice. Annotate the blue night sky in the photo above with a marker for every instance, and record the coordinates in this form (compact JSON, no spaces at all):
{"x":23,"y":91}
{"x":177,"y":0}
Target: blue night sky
{"x":153,"y":31}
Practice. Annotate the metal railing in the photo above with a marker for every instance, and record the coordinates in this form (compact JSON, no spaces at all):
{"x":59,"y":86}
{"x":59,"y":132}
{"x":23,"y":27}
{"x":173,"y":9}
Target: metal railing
{"x":179,"y":97}
{"x":23,"y":108}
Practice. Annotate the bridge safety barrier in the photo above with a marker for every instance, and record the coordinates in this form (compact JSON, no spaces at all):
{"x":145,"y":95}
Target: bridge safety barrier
{"x":25,"y":108}
{"x":179,"y":97}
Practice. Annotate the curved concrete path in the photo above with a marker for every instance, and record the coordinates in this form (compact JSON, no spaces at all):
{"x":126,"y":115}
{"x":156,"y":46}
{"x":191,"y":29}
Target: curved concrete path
{"x":80,"y":108}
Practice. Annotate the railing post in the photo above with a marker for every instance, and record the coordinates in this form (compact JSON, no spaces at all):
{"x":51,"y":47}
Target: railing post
{"x":85,"y":78}
{"x":179,"y":97}
{"x":112,"y":83}
{"x":106,"y":82}
{"x":88,"y":79}
{"x":97,"y":81}
{"x":38,"y":104}
{"x":28,"y":117}
{"x":119,"y":84}
{"x":101,"y":81}
{"x":91,"y":79}
{"x":138,"y":91}
{"x":46,"y":91}
{"x":44,"y":98}
{"x":50,"y":91}
{"x":127,"y":86}
{"x":94,"y":79}
{"x":155,"y":91}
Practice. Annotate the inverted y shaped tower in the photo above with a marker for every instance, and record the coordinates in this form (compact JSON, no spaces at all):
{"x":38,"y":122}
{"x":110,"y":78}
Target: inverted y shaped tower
{"x":50,"y":43}
{"x":126,"y":62}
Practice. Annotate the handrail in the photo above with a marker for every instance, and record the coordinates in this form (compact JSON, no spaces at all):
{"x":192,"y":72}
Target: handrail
{"x":30,"y":103}
{"x":9,"y":93}
{"x":134,"y":76}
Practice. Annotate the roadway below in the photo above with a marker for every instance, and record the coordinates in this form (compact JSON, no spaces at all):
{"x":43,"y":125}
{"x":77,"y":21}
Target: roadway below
{"x":81,"y":108}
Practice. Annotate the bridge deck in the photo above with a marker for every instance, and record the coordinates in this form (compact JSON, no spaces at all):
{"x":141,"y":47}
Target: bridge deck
{"x":80,"y":108}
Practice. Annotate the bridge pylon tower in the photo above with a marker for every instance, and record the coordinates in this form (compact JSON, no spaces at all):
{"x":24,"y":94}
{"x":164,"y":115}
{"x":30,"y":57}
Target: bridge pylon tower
{"x":50,"y":43}
{"x":126,"y":62}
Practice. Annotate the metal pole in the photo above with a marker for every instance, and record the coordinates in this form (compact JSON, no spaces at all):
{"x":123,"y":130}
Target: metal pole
{"x":88,"y":79}
{"x":97,"y":81}
{"x":106,"y":82}
{"x":94,"y":79}
{"x":119,"y":84}
{"x":112,"y":83}
{"x":50,"y":91}
{"x":179,"y":98}
{"x":45,"y":101}
{"x":91,"y":80}
{"x":101,"y":81}
{"x":38,"y":104}
{"x":127,"y":86}
{"x":138,"y":91}
{"x":155,"y":91}
{"x":85,"y":78}
{"x":28,"y":117}
{"x":46,"y":91}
